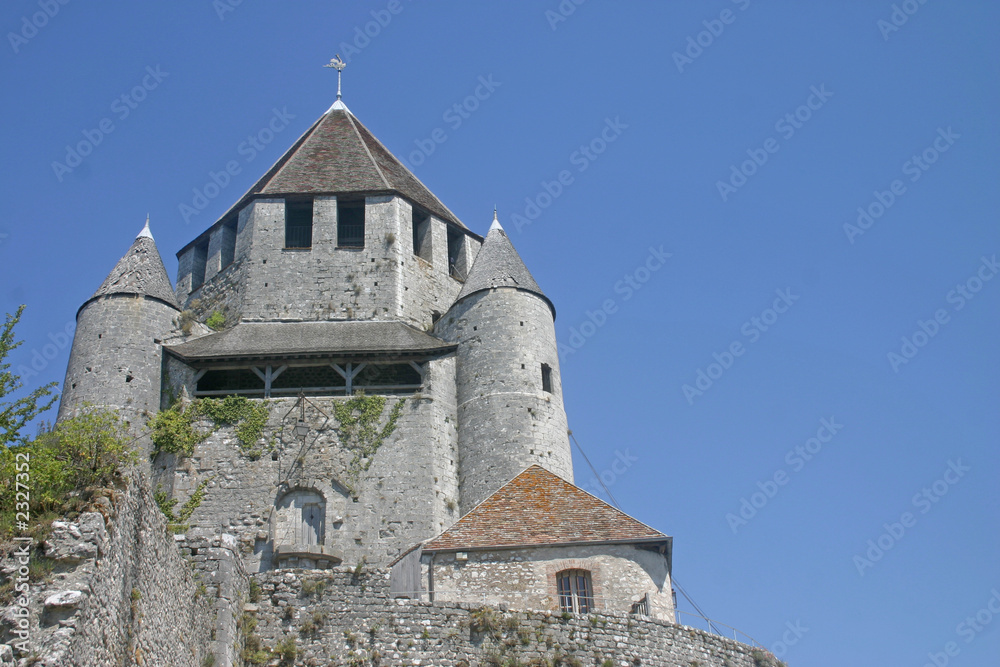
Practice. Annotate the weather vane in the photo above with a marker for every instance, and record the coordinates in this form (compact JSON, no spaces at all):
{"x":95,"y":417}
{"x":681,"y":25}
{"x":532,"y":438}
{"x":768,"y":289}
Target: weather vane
{"x":338,"y":65}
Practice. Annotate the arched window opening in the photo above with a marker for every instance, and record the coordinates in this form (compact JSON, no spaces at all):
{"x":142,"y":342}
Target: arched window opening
{"x":576,"y":593}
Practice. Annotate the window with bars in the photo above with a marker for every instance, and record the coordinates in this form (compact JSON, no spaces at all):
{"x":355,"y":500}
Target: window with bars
{"x":298,"y":223}
{"x":546,"y":378}
{"x":576,"y":594}
{"x":350,"y":223}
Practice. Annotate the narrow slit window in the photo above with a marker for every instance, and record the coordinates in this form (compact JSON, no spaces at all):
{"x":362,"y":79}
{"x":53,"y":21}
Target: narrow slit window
{"x":422,"y":234}
{"x":457,"y":265}
{"x":229,"y":230}
{"x":298,"y":223}
{"x":198,"y":264}
{"x":546,"y":378}
{"x":351,"y":223}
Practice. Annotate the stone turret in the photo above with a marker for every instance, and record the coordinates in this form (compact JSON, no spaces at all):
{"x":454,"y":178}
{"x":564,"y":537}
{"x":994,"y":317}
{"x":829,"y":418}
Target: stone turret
{"x":116,"y":357}
{"x":510,"y":407}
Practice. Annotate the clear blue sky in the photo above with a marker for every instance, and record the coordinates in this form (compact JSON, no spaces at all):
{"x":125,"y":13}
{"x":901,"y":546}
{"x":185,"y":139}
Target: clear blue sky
{"x":829,"y":107}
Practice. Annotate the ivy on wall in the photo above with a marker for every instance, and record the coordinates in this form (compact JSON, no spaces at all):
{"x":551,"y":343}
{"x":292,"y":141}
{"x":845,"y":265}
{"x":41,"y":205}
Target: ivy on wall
{"x":359,"y":418}
{"x":174,"y":430}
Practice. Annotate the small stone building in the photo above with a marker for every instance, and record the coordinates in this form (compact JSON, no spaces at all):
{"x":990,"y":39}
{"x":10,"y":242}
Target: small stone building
{"x":542,"y":543}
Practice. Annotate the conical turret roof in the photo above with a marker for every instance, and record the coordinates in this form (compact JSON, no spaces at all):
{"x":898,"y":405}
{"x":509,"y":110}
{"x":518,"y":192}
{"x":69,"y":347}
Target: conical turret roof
{"x":339,"y":154}
{"x":499,"y":265}
{"x":140,"y":271}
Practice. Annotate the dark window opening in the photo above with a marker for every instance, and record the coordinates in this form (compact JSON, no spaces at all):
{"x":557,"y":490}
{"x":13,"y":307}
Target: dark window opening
{"x":321,"y":380}
{"x":231,"y":381}
{"x":298,"y":223}
{"x":199,"y":257}
{"x":422,"y":234}
{"x":229,"y":241}
{"x":388,"y":377}
{"x":456,"y":254}
{"x":575,"y":591}
{"x":315,"y":379}
{"x":351,"y":223}
{"x":546,"y":378}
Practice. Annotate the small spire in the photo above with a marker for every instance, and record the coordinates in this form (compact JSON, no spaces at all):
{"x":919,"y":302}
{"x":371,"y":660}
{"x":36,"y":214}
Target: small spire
{"x":496,"y":222}
{"x":145,"y":233}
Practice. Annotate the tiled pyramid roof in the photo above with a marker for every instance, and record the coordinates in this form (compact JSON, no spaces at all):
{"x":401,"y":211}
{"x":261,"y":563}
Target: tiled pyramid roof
{"x":339,"y":154}
{"x":499,"y":265}
{"x":539,"y":508}
{"x":140,"y":271}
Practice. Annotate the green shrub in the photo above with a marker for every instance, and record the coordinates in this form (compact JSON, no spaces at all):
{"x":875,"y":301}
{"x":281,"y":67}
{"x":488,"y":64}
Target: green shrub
{"x":216,"y":321}
{"x":67,"y":464}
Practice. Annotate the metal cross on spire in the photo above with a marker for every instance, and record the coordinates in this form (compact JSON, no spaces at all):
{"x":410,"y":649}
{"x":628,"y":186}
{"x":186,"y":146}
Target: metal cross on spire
{"x":338,"y":65}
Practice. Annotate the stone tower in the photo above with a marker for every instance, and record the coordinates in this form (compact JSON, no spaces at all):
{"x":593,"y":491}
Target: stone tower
{"x":510,"y":407}
{"x":116,"y":357}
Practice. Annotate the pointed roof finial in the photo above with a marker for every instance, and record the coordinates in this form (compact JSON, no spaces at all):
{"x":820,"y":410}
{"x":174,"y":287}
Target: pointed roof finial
{"x":496,"y":222}
{"x":145,"y":233}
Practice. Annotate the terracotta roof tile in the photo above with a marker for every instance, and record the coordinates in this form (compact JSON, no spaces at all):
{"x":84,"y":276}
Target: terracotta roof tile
{"x":537,"y":508}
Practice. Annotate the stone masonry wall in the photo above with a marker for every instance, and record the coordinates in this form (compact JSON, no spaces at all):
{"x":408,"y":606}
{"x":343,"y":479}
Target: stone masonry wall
{"x":347,"y":618}
{"x":526,"y":578}
{"x":383,"y":280}
{"x":506,"y":421}
{"x":408,"y":493}
{"x":116,"y":357}
{"x":121,"y":593}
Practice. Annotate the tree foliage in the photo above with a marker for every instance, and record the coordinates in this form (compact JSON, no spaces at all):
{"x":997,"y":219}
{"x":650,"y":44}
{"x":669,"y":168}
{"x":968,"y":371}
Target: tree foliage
{"x":15,"y":415}
{"x":84,"y":452}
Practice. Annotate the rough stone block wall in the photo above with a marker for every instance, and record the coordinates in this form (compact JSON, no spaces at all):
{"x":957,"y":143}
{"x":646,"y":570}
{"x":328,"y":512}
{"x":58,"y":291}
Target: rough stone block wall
{"x":116,"y":359}
{"x":323,"y":282}
{"x":428,"y":286}
{"x":346,"y":618}
{"x":384,"y":280}
{"x":217,"y":565}
{"x":526,"y":578}
{"x":506,"y":421}
{"x":408,"y":492}
{"x":121,"y":593}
